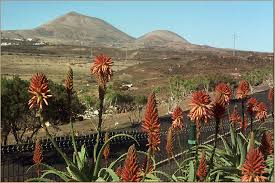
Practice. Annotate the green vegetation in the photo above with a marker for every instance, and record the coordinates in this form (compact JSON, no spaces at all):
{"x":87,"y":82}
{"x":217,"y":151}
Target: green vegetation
{"x":16,"y":117}
{"x":258,"y":76}
{"x":180,"y":86}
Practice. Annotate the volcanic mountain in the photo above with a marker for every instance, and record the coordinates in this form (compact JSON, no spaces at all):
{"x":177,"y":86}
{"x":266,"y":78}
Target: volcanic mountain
{"x":74,"y":28}
{"x":81,"y":30}
{"x":165,"y":39}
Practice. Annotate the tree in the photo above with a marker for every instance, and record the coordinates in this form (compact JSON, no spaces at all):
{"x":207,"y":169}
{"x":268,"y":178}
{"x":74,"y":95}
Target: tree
{"x":16,"y":117}
{"x":14,"y":97}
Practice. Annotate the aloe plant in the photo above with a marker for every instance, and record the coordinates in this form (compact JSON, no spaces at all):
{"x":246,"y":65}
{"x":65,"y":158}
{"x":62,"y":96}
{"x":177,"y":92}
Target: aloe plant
{"x":79,"y":169}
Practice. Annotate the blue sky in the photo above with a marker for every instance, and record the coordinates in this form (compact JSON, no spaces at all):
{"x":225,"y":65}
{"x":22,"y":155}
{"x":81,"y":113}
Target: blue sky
{"x":211,"y":23}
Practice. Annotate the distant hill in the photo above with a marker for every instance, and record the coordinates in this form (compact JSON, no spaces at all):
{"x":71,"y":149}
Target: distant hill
{"x":74,"y":28}
{"x":164,"y":39}
{"x":80,"y":30}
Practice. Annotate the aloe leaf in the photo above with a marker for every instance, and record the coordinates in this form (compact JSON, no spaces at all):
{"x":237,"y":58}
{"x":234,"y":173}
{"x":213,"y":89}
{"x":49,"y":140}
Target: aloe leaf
{"x":60,"y":174}
{"x":217,"y":177}
{"x":244,"y":138}
{"x":226,"y":146}
{"x":113,"y":175}
{"x":191,"y":174}
{"x":100,"y":179}
{"x":76,"y":174}
{"x":174,"y":178}
{"x":151,"y":177}
{"x":99,"y":157}
{"x":231,"y":170}
{"x":242,"y":150}
{"x":233,"y":136}
{"x":233,"y":178}
{"x":181,"y":179}
{"x":39,"y":180}
{"x":164,"y":174}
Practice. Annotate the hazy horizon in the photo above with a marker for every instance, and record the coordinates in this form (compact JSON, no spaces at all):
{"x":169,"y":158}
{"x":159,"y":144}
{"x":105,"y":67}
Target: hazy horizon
{"x":204,"y":23}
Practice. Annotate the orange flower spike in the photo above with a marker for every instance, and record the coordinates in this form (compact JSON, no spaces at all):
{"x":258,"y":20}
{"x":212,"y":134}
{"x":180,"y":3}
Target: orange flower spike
{"x":170,"y":142}
{"x":106,"y":151}
{"x":251,"y":103}
{"x":243,"y":90}
{"x":245,"y":122}
{"x":150,"y":166}
{"x":151,"y":123}
{"x":261,"y":111}
{"x":253,"y":167}
{"x":177,"y":118}
{"x":225,"y":92}
{"x":271,"y":95}
{"x":266,"y":146}
{"x":101,"y":68}
{"x":118,"y":171}
{"x":69,"y":81}
{"x":235,"y":118}
{"x":37,"y":156}
{"x":201,"y":107}
{"x":202,"y":168}
{"x":131,"y":172}
{"x":39,"y":90}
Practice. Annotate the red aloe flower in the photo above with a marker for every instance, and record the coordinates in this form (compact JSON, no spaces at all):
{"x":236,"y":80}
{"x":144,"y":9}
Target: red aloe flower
{"x":39,"y":90}
{"x":202,"y":168}
{"x":151,"y":123}
{"x":271,"y":95}
{"x":37,"y":156}
{"x":244,"y":125}
{"x":253,"y":167}
{"x":131,"y":172}
{"x":225,"y":92}
{"x":69,"y":81}
{"x":102,"y":68}
{"x":170,"y":142}
{"x":261,"y":111}
{"x":235,"y":118}
{"x":201,"y":107}
{"x":177,"y":118}
{"x":251,"y":103}
{"x":150,"y":166}
{"x":266,"y":144}
{"x":243,"y":90}
{"x":119,"y":171}
{"x":106,"y":151}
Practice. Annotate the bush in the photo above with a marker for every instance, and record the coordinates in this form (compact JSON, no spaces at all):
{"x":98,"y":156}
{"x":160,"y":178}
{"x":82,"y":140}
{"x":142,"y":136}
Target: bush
{"x":140,"y":100}
{"x":258,"y":76}
{"x":58,"y":107}
{"x":14,"y":106}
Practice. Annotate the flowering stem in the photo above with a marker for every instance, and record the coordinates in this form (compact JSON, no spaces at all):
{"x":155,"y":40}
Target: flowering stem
{"x":51,"y":139}
{"x":243,"y":129}
{"x":251,"y":123}
{"x":147,"y":163}
{"x":197,"y":144}
{"x":215,"y":144}
{"x":72,"y":127}
{"x":101,"y":94}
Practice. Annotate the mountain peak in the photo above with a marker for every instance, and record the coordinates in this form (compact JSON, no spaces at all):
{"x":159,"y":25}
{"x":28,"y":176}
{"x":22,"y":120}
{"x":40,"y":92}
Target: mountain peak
{"x":73,"y":13}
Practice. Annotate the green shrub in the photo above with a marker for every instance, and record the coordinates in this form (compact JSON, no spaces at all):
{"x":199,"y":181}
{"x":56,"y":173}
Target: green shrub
{"x":15,"y":111}
{"x":257,"y":76}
